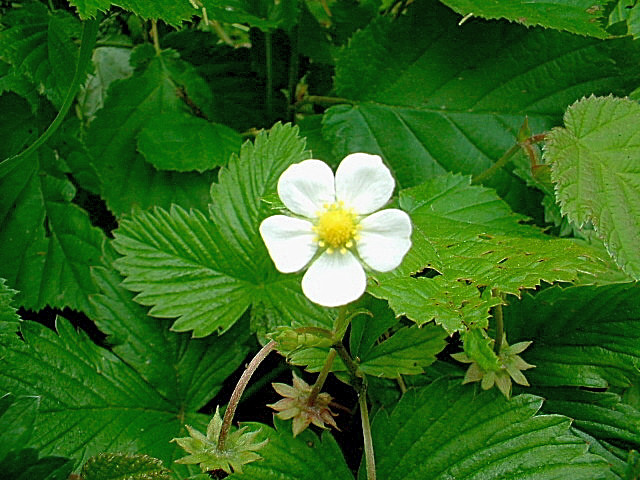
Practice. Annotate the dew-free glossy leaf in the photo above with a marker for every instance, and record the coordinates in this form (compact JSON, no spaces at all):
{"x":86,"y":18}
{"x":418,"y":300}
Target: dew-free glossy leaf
{"x":158,"y":86}
{"x":446,"y":431}
{"x":595,"y":165}
{"x":582,"y":336}
{"x":584,"y":17}
{"x":305,"y":457}
{"x":456,"y":96}
{"x":207,"y":272}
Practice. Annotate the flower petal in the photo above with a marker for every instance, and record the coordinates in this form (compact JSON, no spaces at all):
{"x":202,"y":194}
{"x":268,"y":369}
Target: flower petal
{"x":334,"y":279}
{"x":385,"y":238}
{"x":306,"y":186}
{"x":290,"y":242}
{"x":363,"y":182}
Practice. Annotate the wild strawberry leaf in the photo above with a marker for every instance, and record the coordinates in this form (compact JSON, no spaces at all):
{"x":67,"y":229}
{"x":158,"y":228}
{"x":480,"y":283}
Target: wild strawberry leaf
{"x":207,"y":272}
{"x":305,"y":457}
{"x":584,"y":17}
{"x":456,"y":96}
{"x":584,"y":336}
{"x":595,"y":165}
{"x":161,"y":84}
{"x":448,"y":431}
{"x":109,"y":466}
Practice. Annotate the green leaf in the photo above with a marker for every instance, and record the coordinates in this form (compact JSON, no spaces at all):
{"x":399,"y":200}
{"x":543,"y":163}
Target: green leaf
{"x":305,"y":457}
{"x":583,"y":336}
{"x":183,"y":142}
{"x":263,"y":14}
{"x":161,"y":84}
{"x":446,"y":431}
{"x":25,"y":465}
{"x":118,"y":466}
{"x":470,"y":236}
{"x":595,"y":165}
{"x":135,"y":399}
{"x":171,"y":11}
{"x":455,"y":97}
{"x":7,"y":310}
{"x":40,"y":46}
{"x":207,"y":272}
{"x":47,"y":244}
{"x":17,"y":417}
{"x":584,"y":17}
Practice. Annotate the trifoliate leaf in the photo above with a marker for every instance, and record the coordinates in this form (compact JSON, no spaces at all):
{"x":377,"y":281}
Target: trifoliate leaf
{"x":135,"y":399}
{"x":583,"y":336}
{"x":595,"y":165}
{"x":161,"y":84}
{"x":470,"y":236}
{"x":446,"y":431}
{"x":305,"y":457}
{"x":47,"y":244}
{"x":455,"y":97}
{"x":17,"y":417}
{"x":239,"y":448}
{"x":207,"y":272}
{"x":584,"y":17}
{"x":118,"y":466}
{"x":184,"y":142}
{"x":40,"y":46}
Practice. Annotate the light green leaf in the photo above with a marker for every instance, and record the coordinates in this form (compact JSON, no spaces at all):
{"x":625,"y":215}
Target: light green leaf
{"x":206,"y":272}
{"x":584,"y":17}
{"x":595,"y":165}
{"x":456,"y":96}
{"x":305,"y":457}
{"x":470,"y":236}
{"x":40,"y":46}
{"x":583,"y":336}
{"x":183,"y":142}
{"x":110,"y":466}
{"x":160,"y":85}
{"x":47,"y":244}
{"x":446,"y":431}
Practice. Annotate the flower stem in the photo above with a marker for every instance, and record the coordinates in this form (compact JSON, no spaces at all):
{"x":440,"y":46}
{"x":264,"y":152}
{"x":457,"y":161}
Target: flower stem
{"x":237,"y":392}
{"x":369,"y":455}
{"x":324,"y":373}
{"x":488,"y":173}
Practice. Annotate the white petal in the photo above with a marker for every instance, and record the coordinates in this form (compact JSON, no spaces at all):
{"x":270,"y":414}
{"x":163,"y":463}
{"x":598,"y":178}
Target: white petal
{"x":334,"y":279}
{"x":364,"y":183}
{"x":306,"y":186}
{"x":289,"y":241}
{"x":385,"y":238}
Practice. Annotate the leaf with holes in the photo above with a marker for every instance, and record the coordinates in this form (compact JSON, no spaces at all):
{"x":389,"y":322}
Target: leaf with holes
{"x":446,"y":431}
{"x":207,"y":272}
{"x":592,"y":340}
{"x":595,"y":165}
{"x":455,"y":96}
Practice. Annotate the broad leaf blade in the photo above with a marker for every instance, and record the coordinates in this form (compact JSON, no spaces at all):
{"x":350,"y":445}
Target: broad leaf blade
{"x":17,"y":417}
{"x":583,"y":336}
{"x":305,"y":457}
{"x":584,"y":17}
{"x":448,"y":431}
{"x":595,"y":164}
{"x":108,"y":466}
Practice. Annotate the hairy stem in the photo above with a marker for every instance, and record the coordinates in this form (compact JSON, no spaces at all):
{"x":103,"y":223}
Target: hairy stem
{"x":237,"y":392}
{"x":369,"y":455}
{"x":324,"y":373}
{"x":321,"y":100}
{"x":489,"y":172}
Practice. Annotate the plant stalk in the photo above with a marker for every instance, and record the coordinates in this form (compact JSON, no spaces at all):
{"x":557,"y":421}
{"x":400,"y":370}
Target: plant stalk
{"x":497,"y":314}
{"x":237,"y":392}
{"x":366,"y":434}
{"x":324,"y":373}
{"x":155,"y":37}
{"x":489,"y":172}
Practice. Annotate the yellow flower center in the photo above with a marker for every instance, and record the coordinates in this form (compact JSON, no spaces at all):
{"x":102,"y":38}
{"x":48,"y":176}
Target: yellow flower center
{"x":336,"y":228}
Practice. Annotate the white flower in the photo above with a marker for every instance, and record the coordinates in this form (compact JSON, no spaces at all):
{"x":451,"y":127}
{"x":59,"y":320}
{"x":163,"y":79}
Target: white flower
{"x":333,"y":224}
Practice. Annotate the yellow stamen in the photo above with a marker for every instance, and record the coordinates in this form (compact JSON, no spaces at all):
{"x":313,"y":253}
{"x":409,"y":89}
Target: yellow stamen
{"x":336,"y":228}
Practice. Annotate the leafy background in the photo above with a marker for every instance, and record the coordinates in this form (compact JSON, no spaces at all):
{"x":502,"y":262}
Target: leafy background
{"x":142,"y":144}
